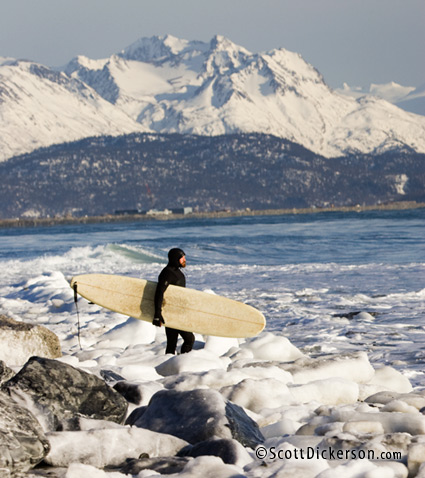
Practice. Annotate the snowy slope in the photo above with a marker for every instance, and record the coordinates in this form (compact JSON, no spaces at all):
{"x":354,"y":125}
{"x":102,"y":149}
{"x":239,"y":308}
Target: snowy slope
{"x":171,"y":85}
{"x":41,"y":107}
{"x":166,"y":85}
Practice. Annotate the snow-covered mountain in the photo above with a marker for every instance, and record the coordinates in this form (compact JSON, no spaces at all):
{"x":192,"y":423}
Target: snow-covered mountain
{"x":408,"y":98}
{"x":41,"y":107}
{"x":166,"y":85}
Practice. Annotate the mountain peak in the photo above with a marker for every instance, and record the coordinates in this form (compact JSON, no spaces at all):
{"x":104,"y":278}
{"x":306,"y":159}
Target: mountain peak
{"x":220,"y":42}
{"x":224,"y":56}
{"x":154,"y":49}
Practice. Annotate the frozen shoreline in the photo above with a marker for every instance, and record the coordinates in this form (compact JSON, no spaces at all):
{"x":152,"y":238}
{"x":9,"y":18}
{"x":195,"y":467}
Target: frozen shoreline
{"x":343,"y":299}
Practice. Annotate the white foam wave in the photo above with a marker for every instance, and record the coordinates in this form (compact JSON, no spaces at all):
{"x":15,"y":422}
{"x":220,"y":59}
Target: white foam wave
{"x":136,"y":254}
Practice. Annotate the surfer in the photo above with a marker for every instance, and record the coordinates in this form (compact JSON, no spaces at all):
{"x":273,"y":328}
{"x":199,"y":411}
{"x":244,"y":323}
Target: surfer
{"x":171,"y":274}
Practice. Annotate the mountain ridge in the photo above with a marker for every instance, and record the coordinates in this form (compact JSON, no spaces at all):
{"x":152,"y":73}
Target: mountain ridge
{"x":143,"y":171}
{"x":167,"y":85}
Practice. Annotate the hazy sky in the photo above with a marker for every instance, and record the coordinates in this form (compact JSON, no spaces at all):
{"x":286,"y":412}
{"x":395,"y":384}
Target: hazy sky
{"x":354,"y":41}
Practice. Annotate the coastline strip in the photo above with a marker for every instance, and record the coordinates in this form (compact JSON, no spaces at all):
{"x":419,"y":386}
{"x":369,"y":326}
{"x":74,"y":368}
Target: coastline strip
{"x":65,"y":220}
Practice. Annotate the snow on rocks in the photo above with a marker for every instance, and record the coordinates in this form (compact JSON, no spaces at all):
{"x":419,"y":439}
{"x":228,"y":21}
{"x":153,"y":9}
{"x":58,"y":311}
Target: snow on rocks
{"x":22,"y":340}
{"x":271,"y":347}
{"x":356,"y":366}
{"x":197,"y":361}
{"x":110,"y":446}
{"x":259,"y":408}
{"x":132,"y":331}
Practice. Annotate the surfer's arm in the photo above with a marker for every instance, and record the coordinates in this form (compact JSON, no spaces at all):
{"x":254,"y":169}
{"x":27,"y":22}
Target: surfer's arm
{"x":159,"y":297}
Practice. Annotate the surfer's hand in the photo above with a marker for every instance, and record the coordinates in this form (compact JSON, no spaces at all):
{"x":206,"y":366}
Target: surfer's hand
{"x":158,"y":321}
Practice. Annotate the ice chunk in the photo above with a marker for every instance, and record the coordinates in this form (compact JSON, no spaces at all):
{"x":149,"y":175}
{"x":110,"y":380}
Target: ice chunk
{"x":391,"y":379}
{"x":268,"y":346}
{"x":391,"y":421}
{"x":257,"y":395}
{"x":356,"y":366}
{"x":332,"y":391}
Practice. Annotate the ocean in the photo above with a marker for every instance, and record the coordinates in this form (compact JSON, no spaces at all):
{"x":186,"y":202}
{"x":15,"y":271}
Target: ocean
{"x":331,"y":282}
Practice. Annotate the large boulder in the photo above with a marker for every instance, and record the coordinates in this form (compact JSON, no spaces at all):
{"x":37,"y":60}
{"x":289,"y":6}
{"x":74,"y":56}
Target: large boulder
{"x":20,"y":341}
{"x":197,"y":416}
{"x":63,"y":393}
{"x":22,"y":441}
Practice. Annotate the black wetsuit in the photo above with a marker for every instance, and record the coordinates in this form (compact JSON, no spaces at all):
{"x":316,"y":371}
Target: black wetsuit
{"x":171,"y":274}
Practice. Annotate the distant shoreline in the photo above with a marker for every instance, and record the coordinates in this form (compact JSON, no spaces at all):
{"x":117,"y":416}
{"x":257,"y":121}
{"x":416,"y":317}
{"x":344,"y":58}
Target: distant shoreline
{"x":114,"y":218}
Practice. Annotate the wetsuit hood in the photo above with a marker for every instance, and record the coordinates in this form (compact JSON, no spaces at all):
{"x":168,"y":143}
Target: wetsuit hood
{"x":174,"y":256}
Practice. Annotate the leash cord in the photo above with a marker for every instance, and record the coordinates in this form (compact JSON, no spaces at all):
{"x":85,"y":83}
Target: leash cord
{"x":78,"y":313}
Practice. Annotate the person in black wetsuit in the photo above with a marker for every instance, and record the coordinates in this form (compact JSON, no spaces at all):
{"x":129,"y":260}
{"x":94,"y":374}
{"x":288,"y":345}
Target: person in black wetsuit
{"x":171,"y":274}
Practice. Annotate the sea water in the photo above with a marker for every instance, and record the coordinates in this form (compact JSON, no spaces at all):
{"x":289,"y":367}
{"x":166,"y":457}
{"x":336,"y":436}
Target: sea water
{"x":330,"y":282}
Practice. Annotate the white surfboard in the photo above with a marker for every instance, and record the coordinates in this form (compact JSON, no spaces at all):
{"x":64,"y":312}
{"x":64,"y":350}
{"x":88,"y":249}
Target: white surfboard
{"x":183,"y":308}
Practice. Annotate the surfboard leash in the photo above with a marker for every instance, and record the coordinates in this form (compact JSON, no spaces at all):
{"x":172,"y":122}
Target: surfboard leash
{"x":78,"y":313}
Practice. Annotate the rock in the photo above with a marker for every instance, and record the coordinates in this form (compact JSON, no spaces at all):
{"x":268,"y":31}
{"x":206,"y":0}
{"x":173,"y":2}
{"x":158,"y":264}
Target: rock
{"x":197,"y":416}
{"x":163,"y":466}
{"x":6,"y":373}
{"x":243,"y":428}
{"x":22,"y":441}
{"x":20,"y":341}
{"x":62,"y":393}
{"x":111,"y":376}
{"x":230,"y":451}
{"x":129,"y":391}
{"x":138,"y":393}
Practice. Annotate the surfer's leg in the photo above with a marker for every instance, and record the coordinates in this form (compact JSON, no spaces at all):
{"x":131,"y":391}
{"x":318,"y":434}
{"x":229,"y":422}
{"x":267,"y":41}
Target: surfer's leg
{"x":172,"y":336}
{"x":188,"y":340}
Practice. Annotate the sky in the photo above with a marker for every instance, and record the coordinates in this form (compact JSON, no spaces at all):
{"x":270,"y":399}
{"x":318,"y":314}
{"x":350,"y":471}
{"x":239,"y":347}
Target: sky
{"x":357,"y":42}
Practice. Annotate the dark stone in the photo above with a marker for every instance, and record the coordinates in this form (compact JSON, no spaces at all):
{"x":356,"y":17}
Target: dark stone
{"x":224,"y":448}
{"x":22,"y":441}
{"x":244,"y":429}
{"x":197,"y":416}
{"x":135,"y":415}
{"x":62,"y":393}
{"x":164,"y":466}
{"x":129,"y":391}
{"x":111,"y":376}
{"x":352,"y":315}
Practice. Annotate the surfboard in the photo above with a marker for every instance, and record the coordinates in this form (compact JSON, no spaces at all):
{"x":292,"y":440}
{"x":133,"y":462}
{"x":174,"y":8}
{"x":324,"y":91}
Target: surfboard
{"x":183,"y":308}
